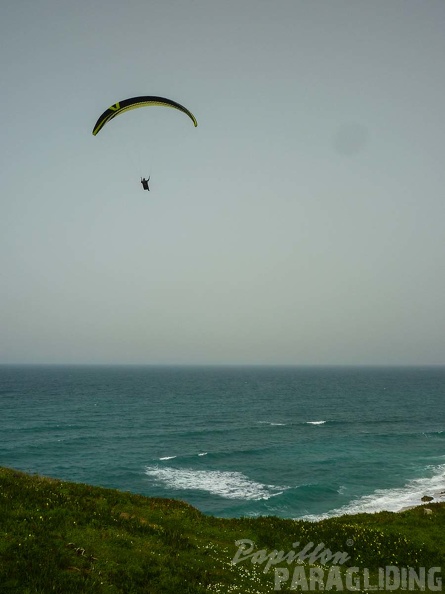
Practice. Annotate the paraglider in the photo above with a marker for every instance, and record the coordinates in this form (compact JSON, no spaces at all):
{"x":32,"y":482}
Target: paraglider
{"x":134,"y":103}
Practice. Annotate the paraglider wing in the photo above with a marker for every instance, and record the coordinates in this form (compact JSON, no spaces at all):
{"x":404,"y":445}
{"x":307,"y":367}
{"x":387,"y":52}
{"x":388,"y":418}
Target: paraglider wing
{"x":135,"y":102}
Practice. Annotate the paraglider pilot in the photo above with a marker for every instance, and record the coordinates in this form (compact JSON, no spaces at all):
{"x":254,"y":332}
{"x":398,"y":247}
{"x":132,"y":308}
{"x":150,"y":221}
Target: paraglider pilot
{"x":144,"y":183}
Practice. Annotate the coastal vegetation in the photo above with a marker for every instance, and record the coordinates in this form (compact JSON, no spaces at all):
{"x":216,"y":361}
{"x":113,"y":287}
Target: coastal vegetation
{"x":58,"y":536}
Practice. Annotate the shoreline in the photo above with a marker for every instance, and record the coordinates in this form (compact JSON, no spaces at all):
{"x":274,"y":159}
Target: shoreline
{"x":436,"y":497}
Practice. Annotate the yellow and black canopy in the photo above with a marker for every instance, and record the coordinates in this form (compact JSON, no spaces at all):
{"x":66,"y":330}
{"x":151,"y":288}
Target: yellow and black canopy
{"x":135,"y":102}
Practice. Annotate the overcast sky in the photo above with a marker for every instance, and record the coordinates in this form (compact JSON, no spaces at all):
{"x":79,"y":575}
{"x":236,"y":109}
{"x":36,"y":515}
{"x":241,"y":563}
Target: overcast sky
{"x":301,"y":222}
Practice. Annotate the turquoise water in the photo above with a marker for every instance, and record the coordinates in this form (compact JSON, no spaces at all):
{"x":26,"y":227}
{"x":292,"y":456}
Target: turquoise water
{"x":293,"y":442}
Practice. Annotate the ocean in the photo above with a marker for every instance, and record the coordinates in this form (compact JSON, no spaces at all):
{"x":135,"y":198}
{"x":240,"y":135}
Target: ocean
{"x":293,"y":442}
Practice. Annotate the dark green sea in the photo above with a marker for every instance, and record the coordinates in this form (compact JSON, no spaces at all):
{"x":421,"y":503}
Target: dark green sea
{"x":233,"y":441}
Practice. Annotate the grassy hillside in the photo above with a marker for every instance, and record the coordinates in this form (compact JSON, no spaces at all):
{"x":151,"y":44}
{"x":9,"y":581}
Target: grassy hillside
{"x":57,"y":536}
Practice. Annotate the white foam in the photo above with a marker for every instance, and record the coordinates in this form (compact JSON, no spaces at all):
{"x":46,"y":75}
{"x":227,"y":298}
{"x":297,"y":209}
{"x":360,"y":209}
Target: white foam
{"x":315,"y":422}
{"x":167,"y":458}
{"x":231,"y":485}
{"x":271,"y":423}
{"x":393,"y":500}
{"x":203,"y":454}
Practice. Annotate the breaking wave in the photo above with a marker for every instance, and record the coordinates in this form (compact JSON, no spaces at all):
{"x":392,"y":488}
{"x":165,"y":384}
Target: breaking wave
{"x":395,"y":500}
{"x":230,"y":485}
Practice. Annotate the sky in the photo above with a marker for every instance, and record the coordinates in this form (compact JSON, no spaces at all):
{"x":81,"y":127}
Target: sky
{"x":301,"y":222}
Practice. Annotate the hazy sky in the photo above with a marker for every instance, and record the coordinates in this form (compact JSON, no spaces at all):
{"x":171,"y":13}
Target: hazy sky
{"x":301,"y":222}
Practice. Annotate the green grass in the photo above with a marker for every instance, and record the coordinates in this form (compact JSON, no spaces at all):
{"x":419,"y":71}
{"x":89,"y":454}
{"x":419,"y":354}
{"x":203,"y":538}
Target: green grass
{"x":57,"y":536}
